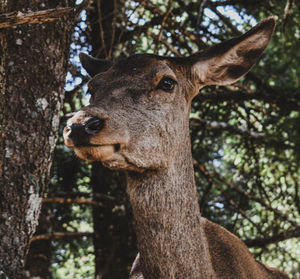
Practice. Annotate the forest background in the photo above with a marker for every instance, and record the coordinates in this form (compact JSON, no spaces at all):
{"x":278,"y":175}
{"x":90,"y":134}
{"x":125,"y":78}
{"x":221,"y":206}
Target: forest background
{"x":244,"y":136}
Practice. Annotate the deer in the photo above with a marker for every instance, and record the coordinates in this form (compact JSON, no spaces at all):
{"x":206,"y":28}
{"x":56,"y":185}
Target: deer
{"x":138,"y":121}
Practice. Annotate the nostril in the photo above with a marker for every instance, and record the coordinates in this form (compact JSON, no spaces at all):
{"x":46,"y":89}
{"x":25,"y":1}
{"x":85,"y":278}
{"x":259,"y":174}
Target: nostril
{"x":94,"y":126}
{"x":117,"y":147}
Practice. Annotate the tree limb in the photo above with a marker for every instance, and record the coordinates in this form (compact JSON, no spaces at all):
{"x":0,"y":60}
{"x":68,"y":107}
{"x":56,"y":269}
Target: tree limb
{"x":215,"y":176}
{"x":215,"y":125}
{"x":265,"y":93}
{"x":229,"y":200}
{"x":262,"y":242}
{"x":223,"y":126}
{"x":58,"y":235}
{"x":19,"y":18}
{"x":81,"y":194}
{"x":70,"y":200}
{"x":165,"y":43}
{"x":163,"y":22}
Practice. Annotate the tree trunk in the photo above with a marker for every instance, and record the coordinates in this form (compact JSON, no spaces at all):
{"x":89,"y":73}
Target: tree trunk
{"x":39,"y":258}
{"x":33,"y":64}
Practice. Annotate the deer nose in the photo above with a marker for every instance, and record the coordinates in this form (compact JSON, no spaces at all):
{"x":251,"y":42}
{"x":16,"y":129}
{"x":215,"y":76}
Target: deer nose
{"x":79,"y":133}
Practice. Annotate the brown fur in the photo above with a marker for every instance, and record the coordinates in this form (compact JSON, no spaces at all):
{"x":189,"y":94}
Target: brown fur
{"x":146,"y":133}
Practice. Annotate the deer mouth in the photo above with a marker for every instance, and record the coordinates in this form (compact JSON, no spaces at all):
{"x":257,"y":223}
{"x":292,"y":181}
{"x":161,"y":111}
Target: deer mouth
{"x":97,"y":152}
{"x":109,"y":155}
{"x":80,"y":137}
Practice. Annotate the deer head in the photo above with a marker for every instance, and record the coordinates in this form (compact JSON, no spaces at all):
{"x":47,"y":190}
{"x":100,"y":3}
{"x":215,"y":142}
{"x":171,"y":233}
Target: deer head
{"x":138,"y":113}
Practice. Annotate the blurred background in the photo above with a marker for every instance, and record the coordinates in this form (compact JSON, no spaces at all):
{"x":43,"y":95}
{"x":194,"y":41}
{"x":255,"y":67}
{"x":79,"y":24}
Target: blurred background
{"x":244,"y":138}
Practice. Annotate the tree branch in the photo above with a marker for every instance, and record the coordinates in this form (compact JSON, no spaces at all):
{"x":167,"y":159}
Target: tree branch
{"x":262,"y":242}
{"x":210,"y":179}
{"x":101,"y":32}
{"x":215,"y":176}
{"x":163,"y":22}
{"x":58,"y":235}
{"x":215,"y":125}
{"x":81,"y":194}
{"x":166,"y":44}
{"x":227,"y":21}
{"x":265,"y":93}
{"x":223,"y":126}
{"x":18,"y":18}
{"x":229,"y":95}
{"x":70,"y":200}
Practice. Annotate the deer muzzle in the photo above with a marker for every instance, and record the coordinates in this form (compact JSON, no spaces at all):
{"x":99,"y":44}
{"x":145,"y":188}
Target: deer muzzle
{"x":95,"y":136}
{"x":80,"y":134}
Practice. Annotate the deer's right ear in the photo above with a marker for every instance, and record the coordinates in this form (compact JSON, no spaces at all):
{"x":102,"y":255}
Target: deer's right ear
{"x":94,"y":66}
{"x":227,"y":62}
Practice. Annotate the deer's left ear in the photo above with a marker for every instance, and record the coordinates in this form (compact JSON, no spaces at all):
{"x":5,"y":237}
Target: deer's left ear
{"x":227,"y":62}
{"x":94,"y":66}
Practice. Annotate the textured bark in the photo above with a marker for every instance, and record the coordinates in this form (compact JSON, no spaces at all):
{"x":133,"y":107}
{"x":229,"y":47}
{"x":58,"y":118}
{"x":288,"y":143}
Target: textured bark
{"x":33,"y":68}
{"x":39,"y":258}
{"x":18,"y":18}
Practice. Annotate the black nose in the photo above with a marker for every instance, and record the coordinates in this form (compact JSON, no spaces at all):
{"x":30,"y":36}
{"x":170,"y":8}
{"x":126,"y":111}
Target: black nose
{"x":80,"y":133}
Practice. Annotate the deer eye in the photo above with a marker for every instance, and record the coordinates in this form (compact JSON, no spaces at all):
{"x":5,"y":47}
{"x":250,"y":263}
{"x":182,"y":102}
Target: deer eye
{"x":167,"y":84}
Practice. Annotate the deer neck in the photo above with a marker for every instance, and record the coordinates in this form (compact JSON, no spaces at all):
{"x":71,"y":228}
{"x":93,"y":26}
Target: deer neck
{"x":168,"y":222}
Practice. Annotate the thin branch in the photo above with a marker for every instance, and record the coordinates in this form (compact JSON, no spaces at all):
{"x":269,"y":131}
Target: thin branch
{"x":214,"y":175}
{"x":200,"y":14}
{"x":167,"y":45}
{"x":227,"y":21}
{"x":228,"y":96}
{"x":270,"y":96}
{"x":262,"y":242}
{"x":210,"y":179}
{"x":80,"y":194}
{"x":101,"y":32}
{"x":163,"y":23}
{"x":215,"y":125}
{"x":19,"y":18}
{"x":287,"y":12}
{"x":58,"y":235}
{"x":147,"y":5}
{"x":193,"y":37}
{"x":172,"y":23}
{"x":70,"y":200}
{"x":114,"y":25}
{"x":223,"y":126}
{"x":253,"y":198}
{"x":257,"y":242}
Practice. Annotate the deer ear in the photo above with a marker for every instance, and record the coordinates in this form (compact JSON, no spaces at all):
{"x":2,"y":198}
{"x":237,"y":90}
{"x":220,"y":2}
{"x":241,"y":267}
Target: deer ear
{"x":227,"y":62}
{"x":94,"y":66}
